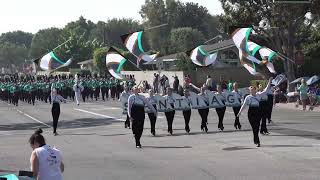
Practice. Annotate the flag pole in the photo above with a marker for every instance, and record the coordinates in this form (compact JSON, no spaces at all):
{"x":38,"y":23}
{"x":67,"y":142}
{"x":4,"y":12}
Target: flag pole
{"x":61,"y":44}
{"x":285,"y":58}
{"x":155,"y":27}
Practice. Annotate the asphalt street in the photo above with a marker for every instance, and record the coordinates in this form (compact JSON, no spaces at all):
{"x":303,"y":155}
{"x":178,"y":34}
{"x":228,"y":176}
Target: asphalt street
{"x":95,"y":145}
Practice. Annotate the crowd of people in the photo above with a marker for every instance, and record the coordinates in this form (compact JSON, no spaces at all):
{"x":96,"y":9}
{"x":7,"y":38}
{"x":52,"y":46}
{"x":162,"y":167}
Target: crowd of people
{"x":260,"y":102}
{"x":29,"y":89}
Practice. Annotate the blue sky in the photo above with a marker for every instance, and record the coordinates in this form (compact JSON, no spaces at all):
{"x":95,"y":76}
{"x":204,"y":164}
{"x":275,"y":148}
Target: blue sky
{"x":32,"y":15}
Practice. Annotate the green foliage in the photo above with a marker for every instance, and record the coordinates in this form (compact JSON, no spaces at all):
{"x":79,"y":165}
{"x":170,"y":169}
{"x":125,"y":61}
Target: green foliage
{"x":18,"y":38}
{"x":177,"y":15}
{"x":285,"y":34}
{"x":184,"y":63}
{"x":256,"y":82}
{"x":12,"y":54}
{"x":44,"y":41}
{"x":99,"y":59}
{"x":183,"y":39}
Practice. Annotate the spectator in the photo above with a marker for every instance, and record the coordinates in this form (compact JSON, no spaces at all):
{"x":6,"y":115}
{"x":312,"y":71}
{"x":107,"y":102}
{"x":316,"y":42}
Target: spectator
{"x":175,"y":84}
{"x":46,"y":162}
{"x":303,"y":89}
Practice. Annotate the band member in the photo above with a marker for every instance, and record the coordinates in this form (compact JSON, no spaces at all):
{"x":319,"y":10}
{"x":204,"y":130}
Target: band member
{"x":264,"y":111}
{"x":124,"y":97}
{"x":204,"y":112}
{"x":170,"y":114}
{"x":78,"y":88}
{"x":55,"y":110}
{"x":187,"y":113}
{"x":236,"y":109}
{"x":270,"y":104}
{"x":254,"y":114}
{"x":220,"y":110}
{"x":151,"y":115}
{"x":136,"y":104}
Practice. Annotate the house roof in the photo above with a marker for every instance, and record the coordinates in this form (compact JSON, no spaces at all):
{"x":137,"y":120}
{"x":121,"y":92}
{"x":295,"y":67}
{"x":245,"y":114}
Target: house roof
{"x":209,"y":48}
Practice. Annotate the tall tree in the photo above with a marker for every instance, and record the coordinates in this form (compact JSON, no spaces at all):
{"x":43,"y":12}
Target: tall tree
{"x":44,"y":41}
{"x":275,"y":22}
{"x":177,"y":15}
{"x":183,"y":39}
{"x":12,"y":54}
{"x":17,"y":37}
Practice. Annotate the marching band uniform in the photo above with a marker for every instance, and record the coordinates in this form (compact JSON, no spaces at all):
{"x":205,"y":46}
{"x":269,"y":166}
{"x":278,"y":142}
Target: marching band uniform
{"x":170,"y":114}
{"x":136,"y":104}
{"x":264,"y":112}
{"x":152,"y":116}
{"x":204,"y":112}
{"x":221,"y":110}
{"x":78,"y":88}
{"x":236,"y":109}
{"x":270,"y":104}
{"x":187,"y":113}
{"x":55,"y":110}
{"x":254,"y":114}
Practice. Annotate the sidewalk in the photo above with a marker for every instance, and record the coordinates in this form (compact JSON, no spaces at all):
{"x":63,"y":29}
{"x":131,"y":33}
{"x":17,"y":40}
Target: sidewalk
{"x":293,"y":107}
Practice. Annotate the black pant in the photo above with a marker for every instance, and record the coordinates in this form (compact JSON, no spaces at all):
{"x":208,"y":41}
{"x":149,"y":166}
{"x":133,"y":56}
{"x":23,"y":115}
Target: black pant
{"x":220,"y":112}
{"x":170,"y":116}
{"x":264,"y":114}
{"x":127,"y":122}
{"x":186,"y":115}
{"x":55,"y":115}
{"x":270,"y":106}
{"x":236,"y":111}
{"x":204,"y":117}
{"x":254,"y":117}
{"x":153,"y":120}
{"x":103,"y":92}
{"x":138,"y":115}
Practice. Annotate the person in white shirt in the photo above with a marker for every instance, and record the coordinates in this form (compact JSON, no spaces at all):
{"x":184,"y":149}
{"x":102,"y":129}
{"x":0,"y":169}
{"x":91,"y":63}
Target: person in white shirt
{"x":220,"y":110}
{"x":187,"y":112}
{"x":254,"y":114}
{"x":55,"y":110}
{"x":204,"y":112}
{"x":46,"y":162}
{"x":136,"y":113}
{"x":264,"y":110}
{"x":236,"y":109}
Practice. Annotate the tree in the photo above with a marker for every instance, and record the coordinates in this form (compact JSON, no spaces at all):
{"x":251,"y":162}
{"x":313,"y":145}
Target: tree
{"x":114,"y":28}
{"x":154,"y":13}
{"x":44,"y":41}
{"x":99,"y":59}
{"x":80,"y":45}
{"x":176,"y":14}
{"x":183,"y":39}
{"x":19,"y":38}
{"x":184,"y":63}
{"x":12,"y":54}
{"x":275,"y":22}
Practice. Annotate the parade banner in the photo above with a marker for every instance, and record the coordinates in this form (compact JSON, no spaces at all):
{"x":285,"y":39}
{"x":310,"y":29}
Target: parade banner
{"x":194,"y":101}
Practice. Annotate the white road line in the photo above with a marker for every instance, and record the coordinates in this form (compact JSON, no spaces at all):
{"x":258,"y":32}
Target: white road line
{"x":33,"y":118}
{"x":101,"y":115}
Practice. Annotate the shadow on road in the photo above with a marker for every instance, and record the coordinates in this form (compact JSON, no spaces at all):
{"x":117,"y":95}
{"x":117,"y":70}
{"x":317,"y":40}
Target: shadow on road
{"x":237,"y":148}
{"x":63,"y":124}
{"x":168,"y":147}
